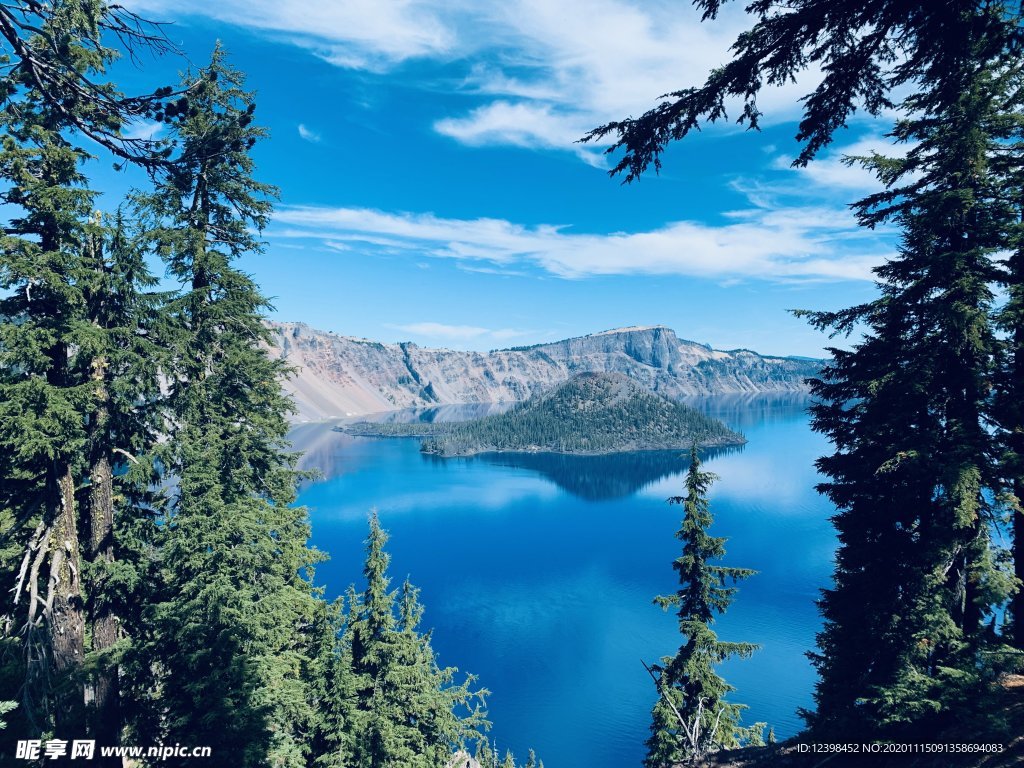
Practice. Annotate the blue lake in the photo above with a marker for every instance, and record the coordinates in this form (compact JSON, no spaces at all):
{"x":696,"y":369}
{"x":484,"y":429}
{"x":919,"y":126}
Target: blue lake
{"x":537,"y":572}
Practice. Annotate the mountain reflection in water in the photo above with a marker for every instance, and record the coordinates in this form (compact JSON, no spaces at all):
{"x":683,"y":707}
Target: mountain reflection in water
{"x":597,"y":478}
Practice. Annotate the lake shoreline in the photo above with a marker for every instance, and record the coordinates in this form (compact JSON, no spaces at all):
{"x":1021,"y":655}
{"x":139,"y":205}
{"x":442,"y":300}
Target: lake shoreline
{"x":538,"y":450}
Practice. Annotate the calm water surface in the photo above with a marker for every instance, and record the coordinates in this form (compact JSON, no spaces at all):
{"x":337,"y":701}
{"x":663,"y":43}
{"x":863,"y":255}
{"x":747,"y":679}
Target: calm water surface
{"x":537,"y":572}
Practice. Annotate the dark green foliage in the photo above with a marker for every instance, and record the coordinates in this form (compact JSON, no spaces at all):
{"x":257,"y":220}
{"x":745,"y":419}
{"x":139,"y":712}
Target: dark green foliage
{"x":229,"y":638}
{"x":408,"y":710}
{"x":48,"y":345}
{"x":590,"y":413}
{"x":691,"y":716}
{"x":58,"y":48}
{"x":484,"y":754}
{"x":913,"y":475}
{"x":1008,"y":402}
{"x":79,"y":354}
{"x":865,"y":49}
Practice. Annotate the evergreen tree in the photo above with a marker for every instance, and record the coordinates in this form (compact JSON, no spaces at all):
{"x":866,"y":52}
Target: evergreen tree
{"x":914,"y":473}
{"x":691,"y":716}
{"x":78,"y":364}
{"x":1008,"y":405}
{"x":509,"y":761}
{"x":409,"y":710}
{"x":51,"y":48}
{"x":333,"y":686}
{"x":229,"y":637}
{"x":123,"y":428}
{"x":485,"y":755}
{"x":45,"y":395}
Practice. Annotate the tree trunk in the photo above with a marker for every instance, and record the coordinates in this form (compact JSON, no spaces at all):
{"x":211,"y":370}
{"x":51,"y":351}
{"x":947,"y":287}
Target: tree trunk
{"x":104,"y":693}
{"x":66,"y":614}
{"x":1017,"y":604}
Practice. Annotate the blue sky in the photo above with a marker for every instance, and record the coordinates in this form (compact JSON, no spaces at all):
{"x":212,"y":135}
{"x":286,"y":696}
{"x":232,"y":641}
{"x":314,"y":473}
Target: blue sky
{"x":432,"y":188}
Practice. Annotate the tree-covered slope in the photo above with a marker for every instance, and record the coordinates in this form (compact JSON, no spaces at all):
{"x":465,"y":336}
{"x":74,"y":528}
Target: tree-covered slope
{"x":590,"y":413}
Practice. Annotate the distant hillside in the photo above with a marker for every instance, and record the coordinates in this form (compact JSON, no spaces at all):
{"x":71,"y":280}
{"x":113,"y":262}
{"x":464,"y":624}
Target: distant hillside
{"x":591,"y":413}
{"x":345,"y":376}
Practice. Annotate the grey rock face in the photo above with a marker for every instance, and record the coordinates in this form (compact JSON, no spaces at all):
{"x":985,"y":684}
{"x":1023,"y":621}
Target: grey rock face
{"x":341,"y":376}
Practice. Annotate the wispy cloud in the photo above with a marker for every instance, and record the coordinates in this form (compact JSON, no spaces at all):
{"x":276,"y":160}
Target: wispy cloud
{"x":372,"y":35}
{"x":459,"y":333}
{"x":524,"y":124}
{"x":543,"y":73}
{"x":763,"y":241}
{"x":306,"y":134}
{"x":143,"y":129}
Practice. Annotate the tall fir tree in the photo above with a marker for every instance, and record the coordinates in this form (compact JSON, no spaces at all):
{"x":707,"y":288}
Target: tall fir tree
{"x":123,"y":428}
{"x":1008,"y":400}
{"x":334,"y":685}
{"x":44,"y":402}
{"x":230,"y":635}
{"x":691,"y":717}
{"x":914,"y":472}
{"x":409,"y":710}
{"x":78,"y":367}
{"x":62,"y":344}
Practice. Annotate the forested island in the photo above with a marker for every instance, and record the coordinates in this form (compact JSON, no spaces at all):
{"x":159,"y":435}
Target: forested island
{"x":592,"y":413}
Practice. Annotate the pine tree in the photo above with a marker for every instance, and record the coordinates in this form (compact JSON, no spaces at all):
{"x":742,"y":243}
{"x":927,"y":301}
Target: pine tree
{"x":333,"y":686}
{"x":409,"y":710}
{"x":52,"y":48}
{"x":1008,"y":405}
{"x":79,"y":364}
{"x":691,"y":716}
{"x":485,"y":755}
{"x":45,"y":396}
{"x":230,"y":632}
{"x":907,"y":409}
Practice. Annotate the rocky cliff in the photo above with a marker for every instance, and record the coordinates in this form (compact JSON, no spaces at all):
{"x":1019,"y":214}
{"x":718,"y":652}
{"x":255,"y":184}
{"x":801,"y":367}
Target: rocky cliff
{"x":345,"y":376}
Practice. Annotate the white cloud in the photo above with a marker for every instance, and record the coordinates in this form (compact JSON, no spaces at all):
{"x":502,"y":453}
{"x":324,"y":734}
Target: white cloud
{"x":143,"y":129}
{"x":547,"y":72}
{"x":521,"y":124}
{"x":360,"y":34}
{"x":440,"y":329}
{"x":456,"y":333}
{"x":804,"y":243}
{"x":309,"y":135}
{"x":831,"y":171}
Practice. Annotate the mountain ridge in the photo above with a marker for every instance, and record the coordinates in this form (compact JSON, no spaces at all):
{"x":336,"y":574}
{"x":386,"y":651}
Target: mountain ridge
{"x":339,"y":376}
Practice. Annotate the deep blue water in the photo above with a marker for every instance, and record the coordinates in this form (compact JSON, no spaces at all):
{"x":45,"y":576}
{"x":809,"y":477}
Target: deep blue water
{"x":537,"y":572}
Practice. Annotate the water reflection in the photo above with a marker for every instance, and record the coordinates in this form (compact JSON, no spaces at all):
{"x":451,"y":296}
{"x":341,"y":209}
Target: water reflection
{"x":439,"y":413}
{"x":598,"y":478}
{"x":593,"y":478}
{"x":742,"y":412}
